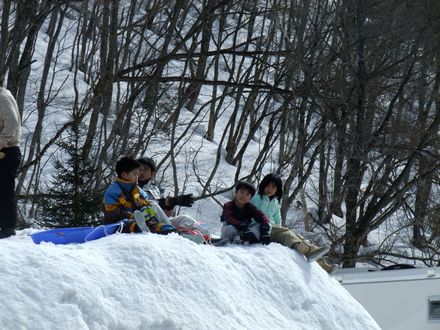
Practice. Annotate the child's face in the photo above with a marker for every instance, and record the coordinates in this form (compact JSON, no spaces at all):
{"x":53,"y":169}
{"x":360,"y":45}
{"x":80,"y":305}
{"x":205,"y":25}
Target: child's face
{"x":131,"y":177}
{"x":145,"y":173}
{"x":271,"y":189}
{"x":242,"y":197}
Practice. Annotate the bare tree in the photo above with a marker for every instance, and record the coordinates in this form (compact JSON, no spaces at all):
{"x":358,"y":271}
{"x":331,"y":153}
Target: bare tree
{"x":347,"y":89}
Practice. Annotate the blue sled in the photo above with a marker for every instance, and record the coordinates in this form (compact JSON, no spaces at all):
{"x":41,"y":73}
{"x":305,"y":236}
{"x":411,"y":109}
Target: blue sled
{"x":75,"y":234}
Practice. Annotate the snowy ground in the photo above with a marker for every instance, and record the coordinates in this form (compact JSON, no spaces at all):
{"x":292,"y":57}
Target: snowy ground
{"x":147,"y":281}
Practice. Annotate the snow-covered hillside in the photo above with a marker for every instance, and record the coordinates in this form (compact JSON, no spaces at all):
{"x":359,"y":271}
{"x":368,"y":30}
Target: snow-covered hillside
{"x":147,"y":281}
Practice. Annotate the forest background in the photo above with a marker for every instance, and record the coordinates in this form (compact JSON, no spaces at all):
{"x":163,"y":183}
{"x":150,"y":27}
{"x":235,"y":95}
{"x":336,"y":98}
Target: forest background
{"x":341,"y":98}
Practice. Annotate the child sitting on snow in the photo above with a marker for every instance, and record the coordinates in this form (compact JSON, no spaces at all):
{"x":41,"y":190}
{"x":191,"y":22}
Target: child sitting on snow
{"x":124,"y":196}
{"x":238,"y":216}
{"x":267,"y":199}
{"x":181,"y":222}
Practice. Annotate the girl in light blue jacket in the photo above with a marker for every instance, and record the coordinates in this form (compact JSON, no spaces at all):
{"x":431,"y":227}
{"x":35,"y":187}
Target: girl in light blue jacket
{"x":267,"y":200}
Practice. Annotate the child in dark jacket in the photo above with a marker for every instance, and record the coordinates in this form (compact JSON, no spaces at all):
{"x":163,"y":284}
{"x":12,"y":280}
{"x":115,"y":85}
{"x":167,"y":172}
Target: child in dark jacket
{"x":124,"y":196}
{"x":243,"y":222}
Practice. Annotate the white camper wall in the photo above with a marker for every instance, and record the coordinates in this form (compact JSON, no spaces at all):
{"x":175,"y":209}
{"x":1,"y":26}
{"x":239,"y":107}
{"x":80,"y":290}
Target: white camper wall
{"x":397,"y":299}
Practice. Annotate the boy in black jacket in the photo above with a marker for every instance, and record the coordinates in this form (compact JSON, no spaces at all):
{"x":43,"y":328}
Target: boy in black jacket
{"x":243,"y":222}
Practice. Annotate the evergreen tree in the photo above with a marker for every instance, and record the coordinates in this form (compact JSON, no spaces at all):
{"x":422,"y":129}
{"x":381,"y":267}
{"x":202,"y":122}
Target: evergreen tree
{"x":72,"y":199}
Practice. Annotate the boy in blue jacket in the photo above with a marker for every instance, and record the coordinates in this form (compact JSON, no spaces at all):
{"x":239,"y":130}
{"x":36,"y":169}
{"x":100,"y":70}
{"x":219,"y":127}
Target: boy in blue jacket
{"x":243,"y":222}
{"x":124,"y":196}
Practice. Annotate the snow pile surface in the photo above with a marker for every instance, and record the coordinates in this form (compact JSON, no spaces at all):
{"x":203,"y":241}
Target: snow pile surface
{"x":147,"y":281}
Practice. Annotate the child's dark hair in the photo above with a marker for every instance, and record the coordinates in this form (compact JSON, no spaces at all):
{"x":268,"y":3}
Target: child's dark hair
{"x":148,"y":162}
{"x":246,"y":185}
{"x":126,"y":164}
{"x":276,"y":180}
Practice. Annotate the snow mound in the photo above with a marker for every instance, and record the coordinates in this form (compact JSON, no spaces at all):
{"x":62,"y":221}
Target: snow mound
{"x":147,"y":281}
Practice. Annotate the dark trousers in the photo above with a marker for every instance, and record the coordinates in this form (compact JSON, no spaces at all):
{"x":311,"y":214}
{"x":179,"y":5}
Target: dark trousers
{"x":9,"y":165}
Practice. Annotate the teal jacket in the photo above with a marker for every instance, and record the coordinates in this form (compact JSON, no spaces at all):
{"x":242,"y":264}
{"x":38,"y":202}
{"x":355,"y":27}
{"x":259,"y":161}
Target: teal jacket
{"x":270,"y":207}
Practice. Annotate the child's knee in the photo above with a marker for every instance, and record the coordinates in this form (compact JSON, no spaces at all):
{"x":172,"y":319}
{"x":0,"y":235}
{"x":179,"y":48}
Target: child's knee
{"x":229,"y":232}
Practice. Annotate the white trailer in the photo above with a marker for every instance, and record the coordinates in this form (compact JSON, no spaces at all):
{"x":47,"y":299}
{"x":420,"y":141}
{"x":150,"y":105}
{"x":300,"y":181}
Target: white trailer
{"x":404,"y":299}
